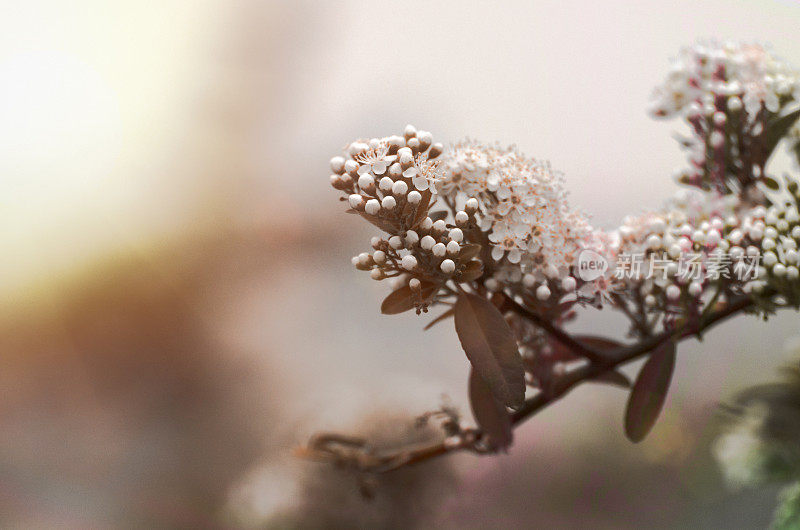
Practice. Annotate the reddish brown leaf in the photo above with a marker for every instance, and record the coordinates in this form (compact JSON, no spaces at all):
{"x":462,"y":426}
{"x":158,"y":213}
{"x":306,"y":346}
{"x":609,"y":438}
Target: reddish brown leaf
{"x":490,"y":415}
{"x":649,"y":392}
{"x":491,"y":348}
{"x":443,"y":316}
{"x":614,"y":378}
{"x":402,"y":299}
{"x":469,"y":251}
{"x":472,"y":271}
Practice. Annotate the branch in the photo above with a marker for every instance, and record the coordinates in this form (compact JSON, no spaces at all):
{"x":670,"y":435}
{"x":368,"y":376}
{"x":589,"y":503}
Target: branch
{"x":470,"y":439}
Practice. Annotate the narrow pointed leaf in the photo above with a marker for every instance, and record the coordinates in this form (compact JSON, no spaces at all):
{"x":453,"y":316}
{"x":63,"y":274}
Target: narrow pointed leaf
{"x":778,"y":128}
{"x":491,"y":347}
{"x":613,"y":378}
{"x":490,"y":415}
{"x":649,"y":392}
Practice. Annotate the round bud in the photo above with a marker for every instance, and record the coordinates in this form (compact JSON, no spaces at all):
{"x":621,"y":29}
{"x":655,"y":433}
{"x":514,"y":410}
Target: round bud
{"x":385,"y":183}
{"x":695,"y":288}
{"x":471,"y":206}
{"x":376,"y":274}
{"x":453,"y":248}
{"x":439,"y":226}
{"x":379,"y":257}
{"x":426,"y":224}
{"x":448,"y":266}
{"x":399,"y":188}
{"x":409,"y":262}
{"x":396,"y":242}
{"x":389,"y":202}
{"x":412,"y":238}
{"x":543,"y":292}
{"x":372,"y":207}
{"x":770,"y":259}
{"x":366,"y":182}
{"x":439,"y":250}
{"x":427,"y":242}
{"x":673,"y":292}
{"x":462,"y":217}
{"x":337,"y":165}
{"x":568,"y":284}
{"x":414,"y":284}
{"x":356,"y":201}
{"x":414,"y":197}
{"x":779,"y":270}
{"x":529,"y":280}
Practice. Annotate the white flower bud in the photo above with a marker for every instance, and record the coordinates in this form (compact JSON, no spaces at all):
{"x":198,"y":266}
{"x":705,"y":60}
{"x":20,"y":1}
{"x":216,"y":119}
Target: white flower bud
{"x":354,"y":260}
{"x":385,"y":184}
{"x":439,"y":250}
{"x":414,"y":284}
{"x":379,"y":257}
{"x":770,"y":233}
{"x":769,"y":259}
{"x":796,"y":232}
{"x":426,"y":224}
{"x":699,"y":237}
{"x":713,"y":237}
{"x":337,"y":164}
{"x":409,"y":262}
{"x":356,"y":200}
{"x":791,"y":257}
{"x":674,"y":251}
{"x":453,"y":248}
{"x":471,"y":205}
{"x":366,"y":181}
{"x":439,"y":226}
{"x":372,"y":207}
{"x":695,"y":288}
{"x":335,"y":180}
{"x":673,"y":292}
{"x":396,"y":242}
{"x":492,"y":284}
{"x":376,"y":274}
{"x":351,"y":166}
{"x":427,"y":242}
{"x":412,"y":238}
{"x":653,"y":242}
{"x":456,"y":235}
{"x":792,"y":272}
{"x":568,"y":284}
{"x":462,"y":217}
{"x":388,"y":202}
{"x":782,"y":225}
{"x":448,"y":266}
{"x":734,"y":104}
{"x":768,"y":244}
{"x":650,"y":300}
{"x":364,"y":258}
{"x":529,"y":280}
{"x":399,"y":188}
{"x":543,"y":292}
{"x":755,"y":233}
{"x":414,"y":197}
{"x":375,"y":242}
{"x":779,"y":270}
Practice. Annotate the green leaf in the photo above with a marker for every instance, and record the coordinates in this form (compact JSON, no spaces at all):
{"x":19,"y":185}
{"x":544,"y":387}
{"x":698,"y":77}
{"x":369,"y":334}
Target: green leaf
{"x":491,"y":347}
{"x":649,"y":392}
{"x":490,"y":415}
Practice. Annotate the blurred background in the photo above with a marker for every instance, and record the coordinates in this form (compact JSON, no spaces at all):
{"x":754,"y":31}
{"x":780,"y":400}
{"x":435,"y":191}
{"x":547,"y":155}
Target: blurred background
{"x":177,"y":305}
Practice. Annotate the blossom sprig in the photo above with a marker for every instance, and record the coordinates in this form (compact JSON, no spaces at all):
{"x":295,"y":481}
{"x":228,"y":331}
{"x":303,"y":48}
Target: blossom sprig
{"x":488,"y":233}
{"x":738,"y":99}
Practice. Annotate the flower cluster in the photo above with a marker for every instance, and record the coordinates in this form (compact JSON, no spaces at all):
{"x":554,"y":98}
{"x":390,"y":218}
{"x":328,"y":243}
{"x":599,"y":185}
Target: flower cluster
{"x":391,"y":182}
{"x":533,"y":233}
{"x":729,"y":94}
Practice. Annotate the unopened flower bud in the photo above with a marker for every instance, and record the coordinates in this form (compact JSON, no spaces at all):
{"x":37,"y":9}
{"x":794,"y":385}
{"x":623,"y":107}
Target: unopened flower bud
{"x":412,"y":238}
{"x":462,"y":218}
{"x":372,"y":207}
{"x":385,"y":184}
{"x":471,"y":206}
{"x":543,"y":292}
{"x":439,"y":227}
{"x":456,"y":235}
{"x":414,"y":197}
{"x":453,"y":248}
{"x":427,"y":242}
{"x":399,"y":188}
{"x":673,"y":292}
{"x":379,"y":257}
{"x":388,"y":202}
{"x":448,"y":266}
{"x":396,"y":242}
{"x":439,"y":250}
{"x":376,"y":274}
{"x":356,"y":201}
{"x":568,"y":284}
{"x":409,"y":262}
